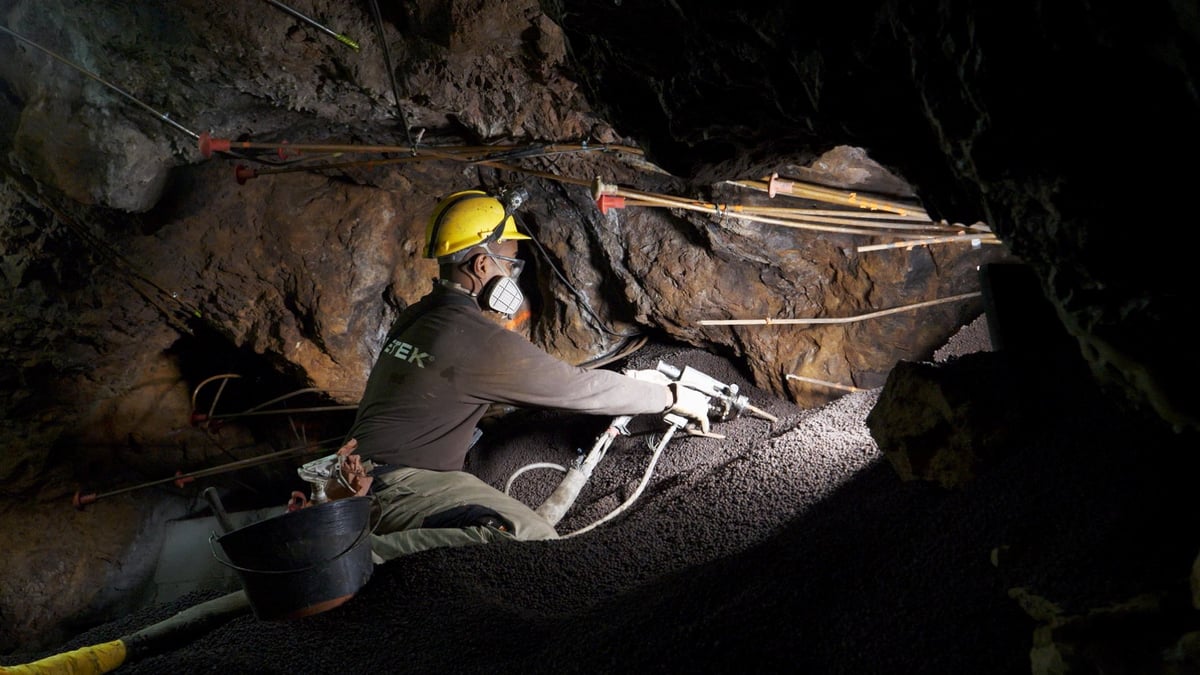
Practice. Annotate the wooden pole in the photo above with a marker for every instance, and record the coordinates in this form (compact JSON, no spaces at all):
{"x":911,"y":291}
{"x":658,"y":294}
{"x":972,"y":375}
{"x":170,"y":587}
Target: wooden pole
{"x":872,"y":315}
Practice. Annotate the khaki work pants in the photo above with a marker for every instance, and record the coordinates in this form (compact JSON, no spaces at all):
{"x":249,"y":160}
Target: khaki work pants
{"x":406,"y":497}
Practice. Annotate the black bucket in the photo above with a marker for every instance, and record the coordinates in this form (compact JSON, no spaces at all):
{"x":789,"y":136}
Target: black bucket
{"x":302,"y":562}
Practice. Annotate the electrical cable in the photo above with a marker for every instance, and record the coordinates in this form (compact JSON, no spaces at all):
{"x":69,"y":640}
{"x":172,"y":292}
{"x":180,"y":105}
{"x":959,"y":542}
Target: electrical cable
{"x":629,"y":348}
{"x":670,"y":432}
{"x":524,"y":229}
{"x":106,"y":657}
{"x":582,"y":302}
{"x":387,"y":62}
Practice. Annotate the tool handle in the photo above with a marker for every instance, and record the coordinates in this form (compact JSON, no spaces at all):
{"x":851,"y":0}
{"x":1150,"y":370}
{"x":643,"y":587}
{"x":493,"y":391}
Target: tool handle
{"x":214,"y":501}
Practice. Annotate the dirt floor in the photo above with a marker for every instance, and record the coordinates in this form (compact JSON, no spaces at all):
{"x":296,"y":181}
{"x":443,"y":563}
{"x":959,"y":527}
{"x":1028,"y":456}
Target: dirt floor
{"x":787,"y":547}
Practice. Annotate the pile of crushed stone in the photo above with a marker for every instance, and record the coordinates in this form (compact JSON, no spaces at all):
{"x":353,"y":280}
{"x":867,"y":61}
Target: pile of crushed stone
{"x":790,"y":546}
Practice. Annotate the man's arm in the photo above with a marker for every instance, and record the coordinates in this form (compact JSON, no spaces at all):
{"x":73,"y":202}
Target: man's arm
{"x":509,"y":369}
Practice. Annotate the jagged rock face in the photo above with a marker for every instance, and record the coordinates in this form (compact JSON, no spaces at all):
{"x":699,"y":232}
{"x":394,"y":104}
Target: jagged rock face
{"x":1004,"y":115}
{"x":307,"y":268}
{"x":138,"y":268}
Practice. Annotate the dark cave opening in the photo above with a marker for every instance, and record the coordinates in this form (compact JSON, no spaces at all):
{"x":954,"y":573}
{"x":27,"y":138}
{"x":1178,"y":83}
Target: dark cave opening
{"x":277,"y":406}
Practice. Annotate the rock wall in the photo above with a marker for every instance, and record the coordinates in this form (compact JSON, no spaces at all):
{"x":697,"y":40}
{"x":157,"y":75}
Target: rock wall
{"x":138,"y":268}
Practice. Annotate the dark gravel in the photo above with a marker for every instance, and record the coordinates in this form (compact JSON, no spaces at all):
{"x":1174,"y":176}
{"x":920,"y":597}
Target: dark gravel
{"x":790,"y":547}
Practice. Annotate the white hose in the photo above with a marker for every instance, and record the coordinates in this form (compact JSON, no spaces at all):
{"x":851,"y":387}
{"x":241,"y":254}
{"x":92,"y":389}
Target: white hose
{"x":636,"y":493}
{"x":529,"y":467}
{"x":560,"y":501}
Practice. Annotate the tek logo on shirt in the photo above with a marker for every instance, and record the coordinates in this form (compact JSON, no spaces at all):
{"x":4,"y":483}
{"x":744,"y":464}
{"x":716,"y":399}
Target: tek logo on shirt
{"x":407,"y":352}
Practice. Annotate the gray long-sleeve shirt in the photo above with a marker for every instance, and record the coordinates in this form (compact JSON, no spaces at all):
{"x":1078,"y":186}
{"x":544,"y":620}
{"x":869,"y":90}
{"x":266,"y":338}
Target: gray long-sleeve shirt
{"x":444,"y":363}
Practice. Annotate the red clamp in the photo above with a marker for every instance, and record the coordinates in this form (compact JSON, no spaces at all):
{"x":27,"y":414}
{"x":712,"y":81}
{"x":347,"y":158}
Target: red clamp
{"x":606,"y":202}
{"x":777,"y":185}
{"x":82,"y":500}
{"x":243,"y":173}
{"x":202,"y":420}
{"x":209,"y":145}
{"x":181,"y":480}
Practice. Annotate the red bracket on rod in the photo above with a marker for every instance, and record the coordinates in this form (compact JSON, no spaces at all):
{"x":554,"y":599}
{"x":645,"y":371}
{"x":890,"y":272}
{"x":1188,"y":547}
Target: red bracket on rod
{"x":606,"y":202}
{"x":243,"y":173}
{"x":82,"y":500}
{"x":209,"y":145}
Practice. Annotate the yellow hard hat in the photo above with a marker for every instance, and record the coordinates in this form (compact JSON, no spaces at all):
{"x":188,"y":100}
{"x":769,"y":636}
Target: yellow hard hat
{"x":466,"y":219}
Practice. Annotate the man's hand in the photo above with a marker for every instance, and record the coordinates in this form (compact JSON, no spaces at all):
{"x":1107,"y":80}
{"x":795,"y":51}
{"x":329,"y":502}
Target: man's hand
{"x":691,"y":404}
{"x":349,"y":478}
{"x":349,"y":448}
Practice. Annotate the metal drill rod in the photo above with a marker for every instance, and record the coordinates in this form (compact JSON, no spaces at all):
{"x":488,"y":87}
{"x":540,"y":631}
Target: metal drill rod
{"x":80,"y":500}
{"x":162,"y":116}
{"x":761,"y":414}
{"x":337,"y":36}
{"x":713,"y":388}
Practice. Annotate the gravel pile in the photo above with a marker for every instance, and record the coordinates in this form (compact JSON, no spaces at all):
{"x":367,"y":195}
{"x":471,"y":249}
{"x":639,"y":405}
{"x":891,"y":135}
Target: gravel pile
{"x":786,"y":547}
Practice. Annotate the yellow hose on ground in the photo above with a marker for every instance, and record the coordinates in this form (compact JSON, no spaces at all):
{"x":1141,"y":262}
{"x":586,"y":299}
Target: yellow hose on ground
{"x":93,"y":660}
{"x":106,"y":657}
